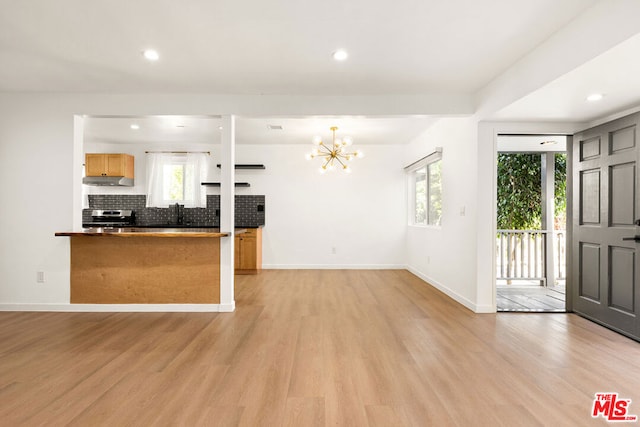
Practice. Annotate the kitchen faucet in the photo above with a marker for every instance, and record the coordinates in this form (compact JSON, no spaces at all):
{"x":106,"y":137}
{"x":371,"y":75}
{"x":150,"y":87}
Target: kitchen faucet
{"x":179,"y":213}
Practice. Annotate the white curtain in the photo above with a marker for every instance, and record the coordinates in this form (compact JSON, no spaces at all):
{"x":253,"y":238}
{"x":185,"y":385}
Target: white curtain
{"x":191,"y":194}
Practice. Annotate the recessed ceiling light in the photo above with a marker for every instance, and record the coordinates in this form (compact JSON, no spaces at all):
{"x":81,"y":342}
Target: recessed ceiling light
{"x":274,"y":127}
{"x":151,"y":55}
{"x":340,"y":55}
{"x":135,"y":126}
{"x":595,"y":97}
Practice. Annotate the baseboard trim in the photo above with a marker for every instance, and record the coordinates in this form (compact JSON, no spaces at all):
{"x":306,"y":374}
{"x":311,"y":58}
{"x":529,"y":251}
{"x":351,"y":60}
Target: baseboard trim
{"x":196,"y":308}
{"x":452,"y":294}
{"x":333,"y":266}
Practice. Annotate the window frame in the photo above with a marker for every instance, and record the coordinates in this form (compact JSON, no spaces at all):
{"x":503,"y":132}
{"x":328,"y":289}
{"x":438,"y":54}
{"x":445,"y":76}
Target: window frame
{"x":193,"y":173}
{"x":184,"y":164}
{"x":422,"y":167}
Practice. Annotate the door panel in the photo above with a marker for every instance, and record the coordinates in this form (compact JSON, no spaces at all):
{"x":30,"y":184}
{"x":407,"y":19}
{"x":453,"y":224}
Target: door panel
{"x":590,"y":271}
{"x":590,"y":196}
{"x":605,"y":194}
{"x":622,"y":277}
{"x":622,"y":199}
{"x":590,"y":148}
{"x":623,"y":139}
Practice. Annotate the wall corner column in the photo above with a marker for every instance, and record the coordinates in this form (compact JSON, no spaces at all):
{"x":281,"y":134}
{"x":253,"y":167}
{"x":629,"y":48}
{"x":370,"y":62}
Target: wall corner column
{"x":486,"y":218}
{"x":227,"y":214}
{"x":548,"y":213}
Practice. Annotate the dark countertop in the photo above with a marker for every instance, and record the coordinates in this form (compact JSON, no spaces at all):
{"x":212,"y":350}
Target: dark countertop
{"x":149,"y":232}
{"x":208,"y":226}
{"x":191,"y":226}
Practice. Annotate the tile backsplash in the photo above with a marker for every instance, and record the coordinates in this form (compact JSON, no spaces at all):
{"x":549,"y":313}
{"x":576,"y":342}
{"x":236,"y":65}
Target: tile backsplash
{"x":249,"y":210}
{"x":117,"y":201}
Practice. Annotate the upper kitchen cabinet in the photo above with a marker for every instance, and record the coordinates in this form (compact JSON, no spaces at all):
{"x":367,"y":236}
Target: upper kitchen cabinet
{"x":108,"y":164}
{"x":108,"y":169}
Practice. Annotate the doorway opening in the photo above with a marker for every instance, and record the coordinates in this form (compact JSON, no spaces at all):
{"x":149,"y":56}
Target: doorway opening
{"x":531,"y":223}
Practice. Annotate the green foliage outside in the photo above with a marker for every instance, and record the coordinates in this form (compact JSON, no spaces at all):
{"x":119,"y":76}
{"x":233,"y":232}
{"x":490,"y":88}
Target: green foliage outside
{"x":520,"y":191}
{"x":421,"y":196}
{"x":435,"y":192}
{"x":173,"y":182}
{"x":560,"y":196}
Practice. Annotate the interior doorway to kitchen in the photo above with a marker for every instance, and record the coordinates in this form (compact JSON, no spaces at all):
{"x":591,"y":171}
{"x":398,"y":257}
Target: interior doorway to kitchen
{"x":531,"y":223}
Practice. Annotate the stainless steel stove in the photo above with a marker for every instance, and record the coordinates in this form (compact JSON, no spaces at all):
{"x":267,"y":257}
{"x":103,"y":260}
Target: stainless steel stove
{"x":111,"y":218}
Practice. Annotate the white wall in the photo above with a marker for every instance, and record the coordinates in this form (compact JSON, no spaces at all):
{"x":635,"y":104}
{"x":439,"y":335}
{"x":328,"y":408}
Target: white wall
{"x":360,"y":214}
{"x":36,"y":151}
{"x":363,"y":219}
{"x":445,"y":256}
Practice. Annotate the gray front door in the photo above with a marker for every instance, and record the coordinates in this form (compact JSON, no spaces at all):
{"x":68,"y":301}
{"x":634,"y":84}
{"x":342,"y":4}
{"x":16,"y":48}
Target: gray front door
{"x":605,"y":205}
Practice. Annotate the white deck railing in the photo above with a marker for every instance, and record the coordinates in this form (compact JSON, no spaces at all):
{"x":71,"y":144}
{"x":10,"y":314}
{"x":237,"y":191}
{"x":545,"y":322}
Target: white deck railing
{"x":521,"y":255}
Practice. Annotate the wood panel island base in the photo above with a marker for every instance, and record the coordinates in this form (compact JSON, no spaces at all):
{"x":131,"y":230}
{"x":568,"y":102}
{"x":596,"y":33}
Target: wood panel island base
{"x":142,"y":266}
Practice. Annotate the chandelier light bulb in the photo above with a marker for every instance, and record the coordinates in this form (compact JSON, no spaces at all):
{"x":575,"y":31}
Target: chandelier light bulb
{"x":359,"y":154}
{"x":335,"y":154}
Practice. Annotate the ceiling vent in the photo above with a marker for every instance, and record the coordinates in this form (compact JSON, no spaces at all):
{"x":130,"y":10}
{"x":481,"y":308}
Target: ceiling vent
{"x":274,"y":127}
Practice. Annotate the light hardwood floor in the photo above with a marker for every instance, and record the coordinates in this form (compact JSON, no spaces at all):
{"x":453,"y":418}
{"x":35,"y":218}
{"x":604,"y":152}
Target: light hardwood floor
{"x":313,"y":348}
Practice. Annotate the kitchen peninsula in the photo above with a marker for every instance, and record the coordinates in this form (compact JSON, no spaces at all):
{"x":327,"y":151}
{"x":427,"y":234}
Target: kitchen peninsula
{"x":145,"y":265}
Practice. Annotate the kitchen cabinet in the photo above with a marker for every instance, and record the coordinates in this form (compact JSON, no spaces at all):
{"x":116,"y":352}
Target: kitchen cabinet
{"x":248,"y":251}
{"x":109,"y":164}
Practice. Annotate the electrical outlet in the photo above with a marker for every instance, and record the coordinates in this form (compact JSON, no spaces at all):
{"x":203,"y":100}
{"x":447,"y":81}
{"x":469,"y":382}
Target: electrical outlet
{"x":40,"y":277}
{"x":333,"y":250}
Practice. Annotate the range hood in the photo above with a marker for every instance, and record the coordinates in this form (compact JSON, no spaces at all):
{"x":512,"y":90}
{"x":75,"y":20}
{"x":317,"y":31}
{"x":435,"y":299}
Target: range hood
{"x":113,"y":181}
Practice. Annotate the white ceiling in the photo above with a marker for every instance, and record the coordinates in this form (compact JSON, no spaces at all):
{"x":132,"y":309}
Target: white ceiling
{"x":205,"y":130}
{"x":615,"y":73}
{"x":270,"y":47}
{"x":157,"y":129}
{"x":429,"y":48}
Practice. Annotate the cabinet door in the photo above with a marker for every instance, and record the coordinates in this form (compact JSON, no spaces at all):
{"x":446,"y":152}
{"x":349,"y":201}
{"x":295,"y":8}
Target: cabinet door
{"x":248,"y":253}
{"x":94,"y":164}
{"x":114,"y":165}
{"x":237,"y":252}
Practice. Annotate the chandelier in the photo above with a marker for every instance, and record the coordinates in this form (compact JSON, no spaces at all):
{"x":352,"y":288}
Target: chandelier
{"x":335,"y":155}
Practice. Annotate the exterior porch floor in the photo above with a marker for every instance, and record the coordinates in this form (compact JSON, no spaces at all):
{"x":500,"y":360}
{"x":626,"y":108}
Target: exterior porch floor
{"x":535,"y":298}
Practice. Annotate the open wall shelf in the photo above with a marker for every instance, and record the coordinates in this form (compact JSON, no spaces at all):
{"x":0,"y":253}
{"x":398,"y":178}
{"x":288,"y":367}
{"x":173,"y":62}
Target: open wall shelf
{"x":217,"y":184}
{"x":245,"y":166}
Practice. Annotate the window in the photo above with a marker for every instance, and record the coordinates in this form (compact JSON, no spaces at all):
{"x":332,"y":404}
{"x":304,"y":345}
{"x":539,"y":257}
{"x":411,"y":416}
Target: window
{"x":176,"y":178}
{"x":425,"y":189}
